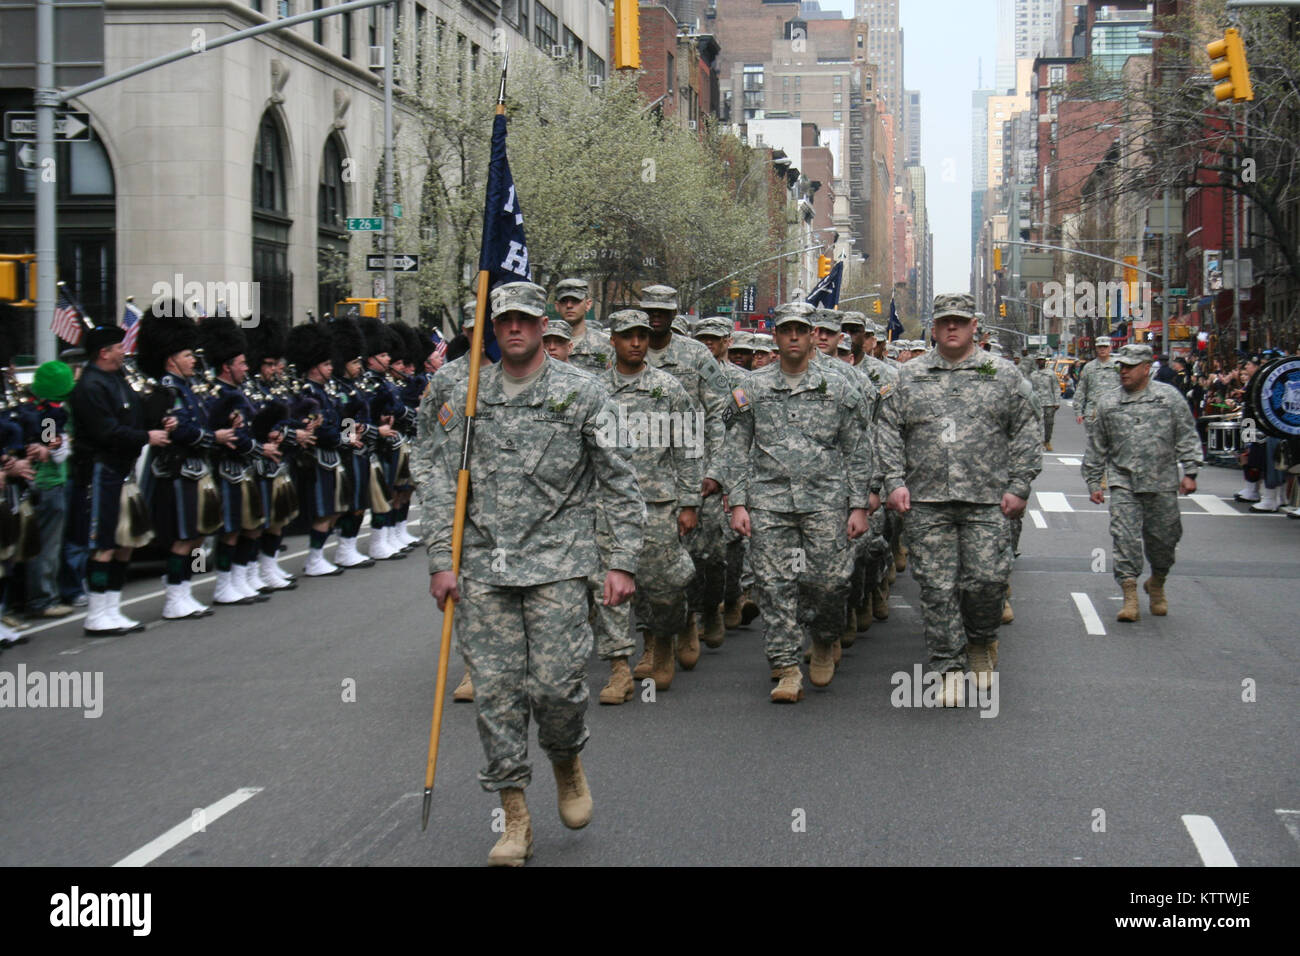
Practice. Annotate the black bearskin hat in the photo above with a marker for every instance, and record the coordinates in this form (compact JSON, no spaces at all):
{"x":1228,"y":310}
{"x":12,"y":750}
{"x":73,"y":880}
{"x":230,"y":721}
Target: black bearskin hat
{"x":410,"y":344}
{"x":307,"y":345}
{"x":379,"y":337}
{"x":265,"y":340}
{"x":221,"y":339}
{"x":349,"y":343}
{"x":162,"y":336}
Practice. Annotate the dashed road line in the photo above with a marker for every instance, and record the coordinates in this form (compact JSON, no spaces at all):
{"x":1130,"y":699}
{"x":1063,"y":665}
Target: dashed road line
{"x":1209,"y":841}
{"x":1072,"y":462}
{"x":1053,"y":501}
{"x":1038,"y":519}
{"x":182,"y":831}
{"x":1089,"y":613}
{"x":1214,"y":505}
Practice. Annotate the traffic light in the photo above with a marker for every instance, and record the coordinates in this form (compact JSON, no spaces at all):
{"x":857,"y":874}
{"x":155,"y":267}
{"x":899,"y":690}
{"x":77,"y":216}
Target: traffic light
{"x":823,"y":266}
{"x":627,"y":35}
{"x":875,"y":307}
{"x":1228,"y":63}
{"x":735,"y":289}
{"x":1002,"y":309}
{"x":997,"y":259}
{"x":18,"y":279}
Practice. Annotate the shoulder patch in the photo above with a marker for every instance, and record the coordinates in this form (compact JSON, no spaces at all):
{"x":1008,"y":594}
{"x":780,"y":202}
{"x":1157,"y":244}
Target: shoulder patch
{"x":445,"y":414}
{"x":740,"y":398}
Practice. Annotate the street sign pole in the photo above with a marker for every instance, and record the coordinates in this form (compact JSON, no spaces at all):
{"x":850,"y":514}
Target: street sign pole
{"x":390,"y":288}
{"x":46,"y":100}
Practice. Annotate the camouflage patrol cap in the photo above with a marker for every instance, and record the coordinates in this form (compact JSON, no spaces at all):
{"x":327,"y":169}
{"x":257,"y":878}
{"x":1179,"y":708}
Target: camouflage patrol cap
{"x":526,"y":297}
{"x":742,"y":341}
{"x":625,"y":320}
{"x":659,"y":297}
{"x":846,"y":343}
{"x":571,"y":289}
{"x":713,"y":325}
{"x":827,"y":319}
{"x":1133,"y":354}
{"x":682,"y":325}
{"x":873,"y":329}
{"x":763,"y":342}
{"x":961,"y":304}
{"x":800,"y":312}
{"x":560,"y":329}
{"x":852,"y":320}
{"x":1103,"y":341}
{"x":467,"y":310}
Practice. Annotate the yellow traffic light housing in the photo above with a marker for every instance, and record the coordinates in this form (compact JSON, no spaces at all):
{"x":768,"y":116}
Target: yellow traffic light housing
{"x":1229,"y":65}
{"x":627,"y":35}
{"x":823,"y":266}
{"x":875,"y":307}
{"x":1002,"y":309}
{"x":18,"y":280}
{"x":997,"y":259}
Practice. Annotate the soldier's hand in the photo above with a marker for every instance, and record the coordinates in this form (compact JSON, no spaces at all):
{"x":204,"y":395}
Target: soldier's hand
{"x":709,"y":487}
{"x":900,"y":500}
{"x":687,"y":521}
{"x":305,"y":438}
{"x":1078,"y":419}
{"x":858,"y":518}
{"x":1097,"y":497}
{"x":158,"y":438}
{"x":443,"y":585}
{"x":1012,"y":506}
{"x":271,"y":451}
{"x":873,"y":504}
{"x":1187,"y":486}
{"x":619,"y":586}
{"x":740,"y":520}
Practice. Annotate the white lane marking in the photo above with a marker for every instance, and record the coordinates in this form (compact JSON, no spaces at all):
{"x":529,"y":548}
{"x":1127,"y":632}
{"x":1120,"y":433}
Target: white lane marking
{"x":156,"y":848}
{"x":1214,"y":505}
{"x":1209,"y":841}
{"x":1072,"y":462}
{"x":1053,"y":501}
{"x":1089,"y":613}
{"x":1290,"y":820}
{"x":372,"y":834}
{"x":1039,"y":520}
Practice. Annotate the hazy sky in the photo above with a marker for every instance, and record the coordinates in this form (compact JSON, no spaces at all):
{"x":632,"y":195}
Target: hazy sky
{"x":944,"y":43}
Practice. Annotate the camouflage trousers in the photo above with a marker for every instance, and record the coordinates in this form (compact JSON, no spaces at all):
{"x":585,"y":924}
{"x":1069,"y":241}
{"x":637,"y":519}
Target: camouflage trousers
{"x":961,"y":558}
{"x":1145,"y":518}
{"x":1049,"y":420}
{"x":802,"y":563}
{"x":526,"y":649}
{"x":739,"y":574}
{"x":611,"y":626}
{"x":709,"y":553}
{"x":664,"y":569}
{"x":870,"y":552}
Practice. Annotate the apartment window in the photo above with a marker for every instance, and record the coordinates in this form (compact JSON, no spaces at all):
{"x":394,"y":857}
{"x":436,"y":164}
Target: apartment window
{"x":837,"y":116}
{"x":421,"y":16}
{"x":572,"y":45}
{"x":372,"y":27}
{"x":510,"y":11}
{"x":347,"y":36}
{"x":785,"y":99}
{"x":836,"y":80}
{"x":595,"y":65}
{"x":753,"y":88}
{"x":798,"y":99}
{"x":548,"y":29}
{"x":318,"y":26}
{"x":671,"y":71}
{"x":798,"y":80}
{"x":1055,"y":75}
{"x":837,"y":99}
{"x":523,"y":17}
{"x":785,"y":82}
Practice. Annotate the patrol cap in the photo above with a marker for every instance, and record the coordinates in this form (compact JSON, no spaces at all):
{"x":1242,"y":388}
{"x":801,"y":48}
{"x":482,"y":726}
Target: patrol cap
{"x":846,"y":343}
{"x":873,"y":329}
{"x":625,"y":320}
{"x":467,"y":310}
{"x":742,"y":342}
{"x":571,"y":289}
{"x":763,"y":342}
{"x":960,"y":304}
{"x":852,"y":320}
{"x":827,"y":319}
{"x":800,"y":312}
{"x":1133,"y":354}
{"x":682,"y":325}
{"x":560,"y":329}
{"x":713,"y":325}
{"x":1103,"y":341}
{"x":659,"y":297}
{"x":526,"y":297}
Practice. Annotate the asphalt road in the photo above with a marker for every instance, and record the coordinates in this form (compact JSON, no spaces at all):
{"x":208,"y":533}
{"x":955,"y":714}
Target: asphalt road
{"x":231,"y":741}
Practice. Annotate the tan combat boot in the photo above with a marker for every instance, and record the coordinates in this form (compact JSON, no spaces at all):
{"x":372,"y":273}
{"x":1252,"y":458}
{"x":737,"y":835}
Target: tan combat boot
{"x":1155,"y":586}
{"x":992,"y":647}
{"x":464,"y":690}
{"x":573,"y":793}
{"x":688,"y":645}
{"x":850,"y":633}
{"x":953,"y":693}
{"x":714,"y":631}
{"x":748,"y":608}
{"x":1047,"y":446}
{"x":900,"y":558}
{"x":731,"y":614}
{"x":647,"y":662}
{"x":516,"y":844}
{"x":1129,"y":612}
{"x":665,"y":665}
{"x":789,"y":690}
{"x":880,"y":602}
{"x":822,"y":666}
{"x":1008,"y":615}
{"x":621,"y":686}
{"x":862,"y":614}
{"x":980,"y":661}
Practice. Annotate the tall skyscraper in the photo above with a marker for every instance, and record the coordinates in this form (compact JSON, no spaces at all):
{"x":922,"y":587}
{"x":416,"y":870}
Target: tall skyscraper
{"x":885,"y":49}
{"x":912,"y":127}
{"x":1026,"y":28}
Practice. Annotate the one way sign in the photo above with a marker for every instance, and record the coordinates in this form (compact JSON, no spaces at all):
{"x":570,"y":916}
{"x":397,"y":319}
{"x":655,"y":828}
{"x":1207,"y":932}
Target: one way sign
{"x":402,"y":262}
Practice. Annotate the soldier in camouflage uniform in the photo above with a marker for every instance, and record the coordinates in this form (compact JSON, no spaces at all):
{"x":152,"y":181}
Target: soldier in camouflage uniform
{"x":558,"y":340}
{"x":1048,"y":392}
{"x":739,"y":350}
{"x":764,"y":350}
{"x":959,"y":446}
{"x":591,"y":349}
{"x":694,"y":367}
{"x":797,"y":469}
{"x":536,"y":468}
{"x":659,"y":430}
{"x":1097,"y":379}
{"x":1140,"y":437}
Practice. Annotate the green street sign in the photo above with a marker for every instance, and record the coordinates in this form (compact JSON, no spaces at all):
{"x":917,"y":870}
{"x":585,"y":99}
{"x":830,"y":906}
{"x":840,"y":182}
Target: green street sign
{"x":397,"y":210}
{"x":1179,"y":293}
{"x":374,"y":224}
{"x":724,"y":308}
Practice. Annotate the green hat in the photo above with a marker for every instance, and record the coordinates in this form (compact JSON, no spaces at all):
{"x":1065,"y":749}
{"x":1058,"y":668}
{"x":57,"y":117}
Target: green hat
{"x":625,"y":320}
{"x":53,"y":381}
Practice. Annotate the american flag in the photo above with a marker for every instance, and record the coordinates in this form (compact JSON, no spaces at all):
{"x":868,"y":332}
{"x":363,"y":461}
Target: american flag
{"x":439,"y":345}
{"x":67,"y":323}
{"x":130,"y":322}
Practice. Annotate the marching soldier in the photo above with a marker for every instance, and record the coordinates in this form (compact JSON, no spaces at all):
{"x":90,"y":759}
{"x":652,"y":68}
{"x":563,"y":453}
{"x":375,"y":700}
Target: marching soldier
{"x":959,"y":446}
{"x":363,"y":486}
{"x":740,"y":349}
{"x":528,"y":548}
{"x":590,"y":350}
{"x":1097,"y":380}
{"x":1048,"y":393}
{"x":764,"y":350}
{"x":1141,"y":437}
{"x":559,"y":340}
{"x":797,"y":474}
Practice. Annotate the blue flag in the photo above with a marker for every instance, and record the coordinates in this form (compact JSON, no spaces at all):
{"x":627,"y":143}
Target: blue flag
{"x":504,"y":254}
{"x":895,"y":326}
{"x":826,"y":293}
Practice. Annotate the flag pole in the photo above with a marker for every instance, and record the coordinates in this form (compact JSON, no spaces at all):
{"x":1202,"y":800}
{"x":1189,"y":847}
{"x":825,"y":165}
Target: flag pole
{"x":462,"y":503}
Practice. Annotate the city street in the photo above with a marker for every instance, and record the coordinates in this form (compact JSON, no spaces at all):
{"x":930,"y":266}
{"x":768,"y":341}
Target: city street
{"x":294,"y":732}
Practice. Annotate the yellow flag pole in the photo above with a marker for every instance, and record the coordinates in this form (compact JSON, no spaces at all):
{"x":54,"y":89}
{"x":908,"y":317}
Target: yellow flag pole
{"x":458,"y":522}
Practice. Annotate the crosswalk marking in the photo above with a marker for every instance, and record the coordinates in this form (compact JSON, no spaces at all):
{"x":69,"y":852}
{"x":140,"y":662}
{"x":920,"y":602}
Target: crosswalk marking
{"x":1053,"y":501}
{"x":1089,"y":613}
{"x":1291,"y":820}
{"x":1037,"y":516}
{"x":1209,"y":841}
{"x":1072,"y":462}
{"x":1214,"y":505}
{"x":198,"y":820}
